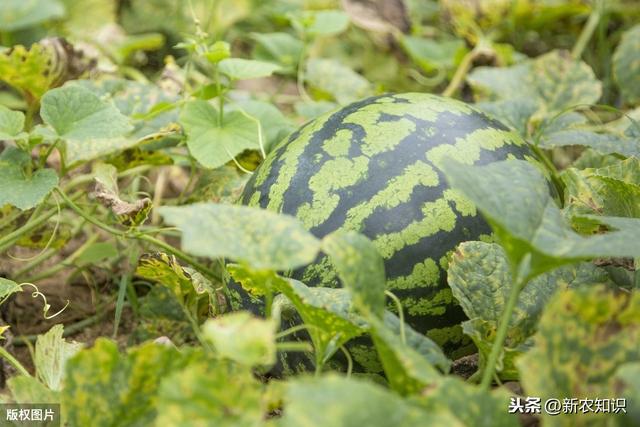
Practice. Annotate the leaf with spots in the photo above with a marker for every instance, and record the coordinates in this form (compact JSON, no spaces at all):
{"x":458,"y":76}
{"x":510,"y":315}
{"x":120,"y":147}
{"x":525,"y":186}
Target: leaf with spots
{"x":212,"y":393}
{"x":52,"y":354}
{"x":104,"y":388}
{"x":262,"y":239}
{"x":584,"y":335}
{"x":32,"y":71}
{"x":626,"y":65}
{"x":468,"y":404}
{"x":212,"y":142}
{"x":194,"y":296}
{"x":341,"y":402}
{"x":245,"y":339}
{"x":19,"y":188}
{"x":328,"y":312}
{"x":360,"y":267}
{"x":28,"y":390}
{"x":480,"y":279}
{"x":514,"y":198}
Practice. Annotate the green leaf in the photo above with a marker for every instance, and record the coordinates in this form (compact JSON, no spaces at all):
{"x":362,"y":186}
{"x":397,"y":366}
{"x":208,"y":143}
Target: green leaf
{"x":8,"y":288}
{"x":603,"y":143}
{"x":281,"y":48}
{"x":627,"y":380}
{"x":341,"y":402}
{"x":554,"y":80}
{"x":514,"y":113}
{"x":244,"y":69}
{"x":626,"y":65}
{"x":360,"y":267}
{"x":432,"y":55}
{"x":213,"y":143}
{"x":513,"y":196}
{"x":468,"y":404}
{"x":211,"y":394}
{"x":584,"y":335}
{"x":105,"y":388}
{"x":194,"y":296}
{"x":21,"y":14}
{"x":11,"y":123}
{"x":320,"y":23}
{"x":336,"y":79}
{"x":262,"y":239}
{"x":31,"y":71}
{"x":481,"y":280}
{"x":52,"y":354}
{"x":275,"y":126}
{"x":243,"y":338}
{"x":328,"y":312}
{"x":16,"y":187}
{"x":76,"y":113}
{"x":29,"y":390}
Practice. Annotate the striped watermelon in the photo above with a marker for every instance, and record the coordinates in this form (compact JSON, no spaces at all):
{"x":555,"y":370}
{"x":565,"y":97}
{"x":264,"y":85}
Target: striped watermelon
{"x":371,"y":167}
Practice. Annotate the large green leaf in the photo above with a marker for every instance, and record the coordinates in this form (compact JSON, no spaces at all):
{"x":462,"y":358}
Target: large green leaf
{"x":262,"y":239}
{"x":19,"y":189}
{"x":52,"y":354}
{"x":243,"y":338}
{"x":105,"y":388}
{"x":29,"y":390}
{"x":339,"y":402}
{"x":243,"y":69}
{"x":275,"y":125}
{"x":360,"y":267}
{"x":281,"y":48}
{"x":626,"y":65}
{"x":320,"y":23}
{"x":584,"y":335}
{"x":213,"y":143}
{"x":339,"y":81}
{"x":513,"y":196}
{"x":433,"y":55}
{"x":20,"y":14}
{"x":604,"y":143}
{"x":89,"y":126}
{"x":481,"y":280}
{"x":211,"y":394}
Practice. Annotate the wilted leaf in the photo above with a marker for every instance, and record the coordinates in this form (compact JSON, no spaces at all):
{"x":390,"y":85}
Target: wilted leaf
{"x":262,"y":239}
{"x":338,"y":80}
{"x":52,"y":354}
{"x":626,"y":65}
{"x":165,"y":269}
{"x":341,"y":402}
{"x":243,"y":69}
{"x":584,"y":335}
{"x":19,"y":189}
{"x":243,"y":338}
{"x":213,"y":143}
{"x":27,"y":70}
{"x":211,"y":394}
{"x":360,"y":267}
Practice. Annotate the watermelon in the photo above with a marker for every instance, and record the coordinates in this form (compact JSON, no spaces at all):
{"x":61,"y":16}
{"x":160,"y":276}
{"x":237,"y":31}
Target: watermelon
{"x":372,"y":167}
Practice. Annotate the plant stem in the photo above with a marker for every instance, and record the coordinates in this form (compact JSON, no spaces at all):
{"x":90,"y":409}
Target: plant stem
{"x":588,"y":30}
{"x":4,"y":353}
{"x":461,"y":72}
{"x":501,"y":334}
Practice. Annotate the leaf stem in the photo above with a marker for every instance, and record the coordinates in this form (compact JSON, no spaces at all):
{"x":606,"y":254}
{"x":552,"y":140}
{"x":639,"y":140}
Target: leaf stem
{"x":14,"y":362}
{"x":588,"y":30}
{"x":501,"y":334}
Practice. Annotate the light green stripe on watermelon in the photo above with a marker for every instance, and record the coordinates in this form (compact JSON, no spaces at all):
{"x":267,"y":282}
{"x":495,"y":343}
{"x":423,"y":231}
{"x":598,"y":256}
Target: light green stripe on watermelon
{"x":423,"y":275}
{"x":398,"y":190}
{"x":435,"y":305}
{"x":333,"y":175}
{"x":339,"y":144}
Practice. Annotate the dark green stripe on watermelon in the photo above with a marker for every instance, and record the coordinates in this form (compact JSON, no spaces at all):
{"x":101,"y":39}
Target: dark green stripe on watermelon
{"x":371,"y":167}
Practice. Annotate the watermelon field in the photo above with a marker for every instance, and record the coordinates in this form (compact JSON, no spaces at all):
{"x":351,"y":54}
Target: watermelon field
{"x":320,"y":213}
